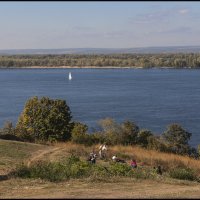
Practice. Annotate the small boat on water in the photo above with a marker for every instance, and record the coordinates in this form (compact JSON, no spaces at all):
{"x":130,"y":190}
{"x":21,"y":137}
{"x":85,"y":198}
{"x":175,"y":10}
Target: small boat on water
{"x":70,"y":76}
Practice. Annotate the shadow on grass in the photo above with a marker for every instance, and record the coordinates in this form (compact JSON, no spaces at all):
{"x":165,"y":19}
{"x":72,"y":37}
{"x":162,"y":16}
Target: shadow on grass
{"x":4,"y":177}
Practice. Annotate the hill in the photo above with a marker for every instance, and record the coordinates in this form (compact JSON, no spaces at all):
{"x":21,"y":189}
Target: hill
{"x":13,"y":153}
{"x":142,"y":50}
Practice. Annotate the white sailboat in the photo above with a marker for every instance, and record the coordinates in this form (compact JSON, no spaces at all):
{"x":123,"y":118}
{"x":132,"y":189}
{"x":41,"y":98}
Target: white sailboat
{"x":70,"y":76}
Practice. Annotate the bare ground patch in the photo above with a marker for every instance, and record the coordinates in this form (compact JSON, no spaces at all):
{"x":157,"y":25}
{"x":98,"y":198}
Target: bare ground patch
{"x":126,"y":188}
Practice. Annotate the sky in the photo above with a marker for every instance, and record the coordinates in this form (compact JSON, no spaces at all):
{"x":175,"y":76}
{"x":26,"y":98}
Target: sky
{"x":98,"y":24}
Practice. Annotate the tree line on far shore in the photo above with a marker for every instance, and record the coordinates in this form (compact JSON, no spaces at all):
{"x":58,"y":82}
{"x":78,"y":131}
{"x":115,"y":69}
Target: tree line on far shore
{"x":171,"y":60}
{"x":50,"y":120}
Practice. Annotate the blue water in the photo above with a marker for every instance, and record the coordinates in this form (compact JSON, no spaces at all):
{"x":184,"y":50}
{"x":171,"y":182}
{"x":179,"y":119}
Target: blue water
{"x":152,"y":98}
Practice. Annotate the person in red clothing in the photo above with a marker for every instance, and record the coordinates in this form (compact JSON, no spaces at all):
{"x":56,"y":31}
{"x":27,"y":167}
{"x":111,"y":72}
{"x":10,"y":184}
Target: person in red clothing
{"x":133,"y":163}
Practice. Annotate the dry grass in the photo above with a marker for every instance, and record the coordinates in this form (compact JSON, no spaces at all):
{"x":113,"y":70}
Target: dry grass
{"x":74,"y":188}
{"x":13,"y":153}
{"x":147,"y":157}
{"x":151,"y":157}
{"x":63,"y":150}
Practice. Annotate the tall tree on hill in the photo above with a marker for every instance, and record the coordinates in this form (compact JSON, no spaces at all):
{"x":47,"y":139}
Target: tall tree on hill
{"x":177,"y":139}
{"x":45,"y":119}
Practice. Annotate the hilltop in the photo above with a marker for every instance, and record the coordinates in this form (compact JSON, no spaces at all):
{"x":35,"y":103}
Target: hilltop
{"x":13,"y":153}
{"x":136,"y":50}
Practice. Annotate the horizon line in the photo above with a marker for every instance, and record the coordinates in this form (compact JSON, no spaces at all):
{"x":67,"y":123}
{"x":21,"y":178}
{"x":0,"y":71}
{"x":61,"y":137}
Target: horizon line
{"x":102,"y":47}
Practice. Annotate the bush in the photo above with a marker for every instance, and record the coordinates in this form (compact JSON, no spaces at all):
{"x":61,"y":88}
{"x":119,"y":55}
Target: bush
{"x":142,"y":138}
{"x":56,"y":171}
{"x":22,"y":171}
{"x":143,"y":173}
{"x":183,"y":174}
{"x":120,"y":169}
{"x":10,"y":137}
{"x":79,"y":133}
{"x":45,"y":170}
{"x":155,"y":143}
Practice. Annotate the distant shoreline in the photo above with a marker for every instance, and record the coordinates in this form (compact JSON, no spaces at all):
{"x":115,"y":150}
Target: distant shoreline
{"x":70,"y":67}
{"x":86,"y":67}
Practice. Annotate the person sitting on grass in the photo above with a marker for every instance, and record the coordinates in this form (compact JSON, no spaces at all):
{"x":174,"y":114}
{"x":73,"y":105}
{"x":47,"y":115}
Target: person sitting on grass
{"x":92,"y":158}
{"x":158,"y":170}
{"x":133,"y":163}
{"x":116,"y":159}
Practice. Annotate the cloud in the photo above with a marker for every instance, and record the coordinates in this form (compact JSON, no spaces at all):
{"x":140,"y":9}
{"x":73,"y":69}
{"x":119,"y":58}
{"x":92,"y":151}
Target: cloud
{"x":158,"y":16}
{"x":151,"y":17}
{"x":82,"y":28}
{"x":118,"y":34}
{"x":183,"y":11}
{"x":178,"y":30}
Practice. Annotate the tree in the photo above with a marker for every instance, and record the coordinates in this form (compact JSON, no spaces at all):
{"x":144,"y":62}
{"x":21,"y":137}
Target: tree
{"x":177,"y":139}
{"x":129,"y":132}
{"x":8,"y":128}
{"x":111,"y":131}
{"x":45,"y":119}
{"x":198,"y":149}
{"x":79,"y":133}
{"x":155,"y":143}
{"x":142,"y":138}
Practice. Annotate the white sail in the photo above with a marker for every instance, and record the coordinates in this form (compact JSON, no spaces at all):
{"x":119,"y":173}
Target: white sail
{"x":70,"y":76}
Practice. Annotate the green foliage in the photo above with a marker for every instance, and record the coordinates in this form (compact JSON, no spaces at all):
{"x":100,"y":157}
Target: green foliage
{"x":143,"y":136}
{"x":8,"y":132}
{"x":44,"y":119}
{"x":79,"y":133}
{"x":198,"y":149}
{"x":73,"y":167}
{"x":155,"y":143}
{"x":144,"y":173}
{"x":129,"y":133}
{"x":120,"y":169}
{"x":175,"y":60}
{"x":7,"y":128}
{"x":183,"y":174}
{"x":177,"y":139}
{"x":111,"y":131}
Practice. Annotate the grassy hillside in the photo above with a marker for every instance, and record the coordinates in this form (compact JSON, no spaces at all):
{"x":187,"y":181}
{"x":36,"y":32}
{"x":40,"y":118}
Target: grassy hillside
{"x":12,"y":153}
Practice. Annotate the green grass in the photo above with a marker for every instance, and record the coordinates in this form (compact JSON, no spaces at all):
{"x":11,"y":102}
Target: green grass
{"x":74,"y":167}
{"x":13,"y":152}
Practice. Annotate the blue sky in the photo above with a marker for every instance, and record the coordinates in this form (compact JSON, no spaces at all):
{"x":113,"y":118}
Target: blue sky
{"x":33,"y":25}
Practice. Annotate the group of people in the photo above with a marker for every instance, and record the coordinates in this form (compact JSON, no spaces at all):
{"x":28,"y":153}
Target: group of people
{"x":133,"y":163}
{"x":102,"y":155}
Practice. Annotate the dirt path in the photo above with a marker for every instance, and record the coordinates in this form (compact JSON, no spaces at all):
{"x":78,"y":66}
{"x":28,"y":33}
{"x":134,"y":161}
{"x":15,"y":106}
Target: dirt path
{"x":42,"y":154}
{"x":74,"y":188}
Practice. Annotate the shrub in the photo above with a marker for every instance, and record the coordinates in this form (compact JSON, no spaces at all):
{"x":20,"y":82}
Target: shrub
{"x":143,"y":173}
{"x":142,"y":138}
{"x":45,"y":170}
{"x":183,"y":174}
{"x":129,"y":133}
{"x":10,"y":137}
{"x":22,"y":171}
{"x":119,"y":169}
{"x":79,"y":133}
{"x":111,"y":131}
{"x":155,"y":143}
